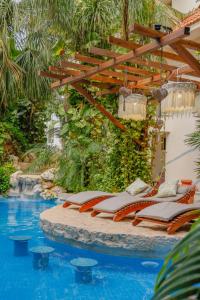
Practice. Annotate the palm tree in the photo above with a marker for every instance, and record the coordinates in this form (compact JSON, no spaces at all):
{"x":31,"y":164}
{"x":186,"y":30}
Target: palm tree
{"x":10,"y":71}
{"x":82,"y":23}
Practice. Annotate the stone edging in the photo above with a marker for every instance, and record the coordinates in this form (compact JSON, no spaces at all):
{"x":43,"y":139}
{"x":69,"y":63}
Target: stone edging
{"x":116,"y":244}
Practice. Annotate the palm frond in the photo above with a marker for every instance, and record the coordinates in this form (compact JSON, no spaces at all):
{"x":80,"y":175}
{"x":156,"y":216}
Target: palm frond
{"x":179,"y":277}
{"x":10,"y":73}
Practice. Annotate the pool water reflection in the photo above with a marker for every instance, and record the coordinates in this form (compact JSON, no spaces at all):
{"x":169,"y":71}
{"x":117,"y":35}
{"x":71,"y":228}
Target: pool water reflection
{"x":114,"y":277}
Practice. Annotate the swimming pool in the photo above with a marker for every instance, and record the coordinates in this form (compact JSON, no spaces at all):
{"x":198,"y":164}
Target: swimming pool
{"x":118,"y":278}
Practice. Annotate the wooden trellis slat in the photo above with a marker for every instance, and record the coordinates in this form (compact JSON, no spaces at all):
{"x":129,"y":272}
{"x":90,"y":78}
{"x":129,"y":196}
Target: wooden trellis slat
{"x":95,"y":77}
{"x":119,"y":75}
{"x":178,"y":47}
{"x":188,"y":57}
{"x":97,"y":61}
{"x":71,"y":72}
{"x":168,"y":39}
{"x":132,"y":46}
{"x":149,"y":32}
{"x":190,"y":44}
{"x":138,"y":61}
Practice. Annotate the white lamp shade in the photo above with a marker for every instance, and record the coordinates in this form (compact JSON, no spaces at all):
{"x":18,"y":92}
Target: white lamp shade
{"x":180,"y":98}
{"x":132,"y":107}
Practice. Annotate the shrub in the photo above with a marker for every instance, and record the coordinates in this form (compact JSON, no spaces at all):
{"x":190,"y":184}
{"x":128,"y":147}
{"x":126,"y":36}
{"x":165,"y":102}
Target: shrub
{"x":5,"y":172}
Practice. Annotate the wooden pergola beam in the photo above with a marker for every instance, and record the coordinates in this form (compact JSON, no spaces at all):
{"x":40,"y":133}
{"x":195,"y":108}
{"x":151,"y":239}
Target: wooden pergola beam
{"x":97,"y":61}
{"x":100,"y":107}
{"x":137,"y":28}
{"x":145,"y":31}
{"x":132,"y":46}
{"x":178,"y":47}
{"x":168,"y":39}
{"x":71,"y":72}
{"x":51,"y":75}
{"x":100,"y":78}
{"x":115,"y":90}
{"x":146,"y":81}
{"x":188,"y":57}
{"x":72,"y":65}
{"x":190,"y":44}
{"x":109,"y":73}
{"x":183,"y":70}
{"x":138,"y":61}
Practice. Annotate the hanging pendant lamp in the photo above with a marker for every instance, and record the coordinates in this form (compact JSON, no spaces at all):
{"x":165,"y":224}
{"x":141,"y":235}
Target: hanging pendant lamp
{"x":180,"y":98}
{"x":132,"y":107}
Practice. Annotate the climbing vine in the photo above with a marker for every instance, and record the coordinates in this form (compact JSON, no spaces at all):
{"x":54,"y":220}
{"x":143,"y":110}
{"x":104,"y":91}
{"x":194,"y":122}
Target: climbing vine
{"x":96,"y":154}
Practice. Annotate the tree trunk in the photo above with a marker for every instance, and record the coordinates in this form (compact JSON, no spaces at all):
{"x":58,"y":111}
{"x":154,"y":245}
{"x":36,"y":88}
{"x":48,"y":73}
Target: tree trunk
{"x":125,"y":19}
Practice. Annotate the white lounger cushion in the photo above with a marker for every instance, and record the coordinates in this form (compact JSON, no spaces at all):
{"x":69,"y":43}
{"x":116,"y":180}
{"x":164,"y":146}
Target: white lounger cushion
{"x":166,"y":199}
{"x":166,"y":211}
{"x":84,"y":197}
{"x":114,"y":204}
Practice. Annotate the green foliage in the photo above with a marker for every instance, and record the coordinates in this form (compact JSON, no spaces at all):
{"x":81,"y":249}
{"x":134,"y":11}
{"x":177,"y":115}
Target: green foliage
{"x":96,"y":154}
{"x":33,"y":34}
{"x":81,"y":135}
{"x":193,"y":140}
{"x":5,"y":171}
{"x":31,"y":118}
{"x":128,"y":157}
{"x":179,"y":277}
{"x":45,"y":157}
{"x":12,"y":140}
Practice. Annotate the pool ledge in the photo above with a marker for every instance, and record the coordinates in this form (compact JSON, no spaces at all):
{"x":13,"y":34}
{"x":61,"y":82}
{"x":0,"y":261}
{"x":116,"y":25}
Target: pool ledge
{"x":101,"y":234}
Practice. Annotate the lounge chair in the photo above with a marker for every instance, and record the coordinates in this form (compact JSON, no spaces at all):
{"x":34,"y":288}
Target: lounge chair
{"x":173,"y":215}
{"x":86,"y":200}
{"x":123,"y":205}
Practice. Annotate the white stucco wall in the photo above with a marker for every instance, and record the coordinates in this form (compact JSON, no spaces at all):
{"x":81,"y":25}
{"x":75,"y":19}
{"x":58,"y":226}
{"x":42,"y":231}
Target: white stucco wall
{"x":184,"y":6}
{"x":183,"y":167}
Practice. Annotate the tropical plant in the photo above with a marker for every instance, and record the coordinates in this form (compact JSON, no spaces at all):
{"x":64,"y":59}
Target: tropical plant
{"x":193,"y":140}
{"x":97,"y":155}
{"x":10,"y":71}
{"x":33,"y":34}
{"x":5,"y":171}
{"x":43,"y":158}
{"x":24,"y":50}
{"x":80,"y":24}
{"x":12,"y":140}
{"x":179,"y":277}
{"x":80,"y":146}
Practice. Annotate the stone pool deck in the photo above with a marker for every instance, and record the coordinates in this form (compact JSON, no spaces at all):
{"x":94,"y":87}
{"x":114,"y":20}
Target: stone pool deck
{"x":102,"y":234}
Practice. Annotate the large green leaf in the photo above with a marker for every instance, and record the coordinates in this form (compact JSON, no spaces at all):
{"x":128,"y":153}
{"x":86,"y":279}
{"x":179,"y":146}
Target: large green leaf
{"x":179,"y":277}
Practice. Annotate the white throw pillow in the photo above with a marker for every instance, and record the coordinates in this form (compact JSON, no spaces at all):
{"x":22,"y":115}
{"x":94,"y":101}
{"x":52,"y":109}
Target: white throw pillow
{"x":137,"y":187}
{"x":168,"y":189}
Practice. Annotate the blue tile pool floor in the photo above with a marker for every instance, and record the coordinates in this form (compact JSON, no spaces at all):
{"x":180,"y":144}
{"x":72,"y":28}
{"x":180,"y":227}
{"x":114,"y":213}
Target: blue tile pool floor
{"x":114,"y":278}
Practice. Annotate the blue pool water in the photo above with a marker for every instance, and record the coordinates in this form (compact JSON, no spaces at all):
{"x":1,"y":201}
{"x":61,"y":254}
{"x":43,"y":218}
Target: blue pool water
{"x":114,"y":278}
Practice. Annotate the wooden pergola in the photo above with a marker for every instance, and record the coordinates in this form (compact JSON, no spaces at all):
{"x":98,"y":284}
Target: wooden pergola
{"x":109,"y":70}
